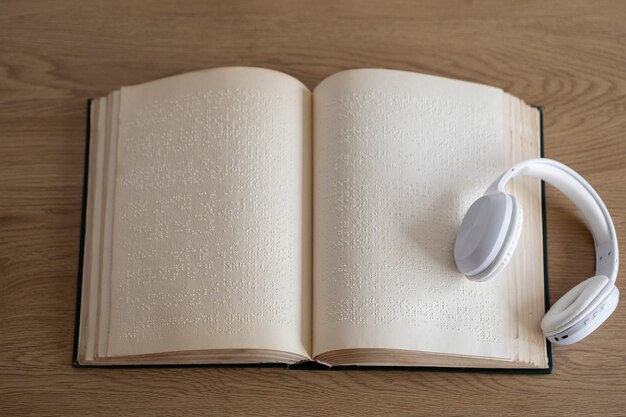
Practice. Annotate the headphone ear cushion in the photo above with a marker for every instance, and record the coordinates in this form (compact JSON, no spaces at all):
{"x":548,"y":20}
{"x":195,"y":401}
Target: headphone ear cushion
{"x":576,"y":304}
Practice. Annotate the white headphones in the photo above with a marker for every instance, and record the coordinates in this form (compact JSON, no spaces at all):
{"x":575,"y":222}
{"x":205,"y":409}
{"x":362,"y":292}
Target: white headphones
{"x":491,"y":229}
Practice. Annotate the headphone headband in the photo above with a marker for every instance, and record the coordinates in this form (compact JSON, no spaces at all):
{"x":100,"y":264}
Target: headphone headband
{"x":586,"y":199}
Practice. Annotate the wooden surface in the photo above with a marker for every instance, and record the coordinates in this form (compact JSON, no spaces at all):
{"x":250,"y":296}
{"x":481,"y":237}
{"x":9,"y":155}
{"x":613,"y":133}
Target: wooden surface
{"x":569,"y":56}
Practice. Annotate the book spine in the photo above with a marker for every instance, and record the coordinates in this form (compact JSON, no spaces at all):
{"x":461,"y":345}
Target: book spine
{"x":81,"y":249}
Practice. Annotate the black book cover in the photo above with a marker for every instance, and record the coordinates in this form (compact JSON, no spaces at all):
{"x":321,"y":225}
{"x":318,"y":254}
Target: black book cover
{"x":308,"y":365}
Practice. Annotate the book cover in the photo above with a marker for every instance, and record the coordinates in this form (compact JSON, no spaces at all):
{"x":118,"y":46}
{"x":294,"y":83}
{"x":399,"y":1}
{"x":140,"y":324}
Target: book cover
{"x":308,"y":365}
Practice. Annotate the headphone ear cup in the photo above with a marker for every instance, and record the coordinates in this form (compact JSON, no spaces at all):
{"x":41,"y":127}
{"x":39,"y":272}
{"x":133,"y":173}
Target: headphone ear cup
{"x":576,"y":304}
{"x":488,"y":233}
{"x":508,"y":246}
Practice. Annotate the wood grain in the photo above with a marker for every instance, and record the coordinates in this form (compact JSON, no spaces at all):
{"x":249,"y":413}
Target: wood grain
{"x":569,"y":56}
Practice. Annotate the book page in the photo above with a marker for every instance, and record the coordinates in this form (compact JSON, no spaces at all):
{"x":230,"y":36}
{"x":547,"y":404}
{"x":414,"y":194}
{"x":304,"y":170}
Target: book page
{"x":211,"y":218}
{"x":399,"y":157}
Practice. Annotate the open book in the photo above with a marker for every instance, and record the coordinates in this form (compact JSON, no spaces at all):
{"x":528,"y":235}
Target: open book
{"x":234,"y":216}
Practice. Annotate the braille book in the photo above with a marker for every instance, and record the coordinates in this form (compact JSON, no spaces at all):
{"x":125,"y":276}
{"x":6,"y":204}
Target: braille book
{"x":233,"y":216}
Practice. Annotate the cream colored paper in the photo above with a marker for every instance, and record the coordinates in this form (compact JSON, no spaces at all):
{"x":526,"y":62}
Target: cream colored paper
{"x":399,"y":157}
{"x":211,"y":236}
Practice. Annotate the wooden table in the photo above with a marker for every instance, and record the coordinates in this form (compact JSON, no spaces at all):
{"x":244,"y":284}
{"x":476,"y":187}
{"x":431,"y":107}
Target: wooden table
{"x":569,"y":56}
